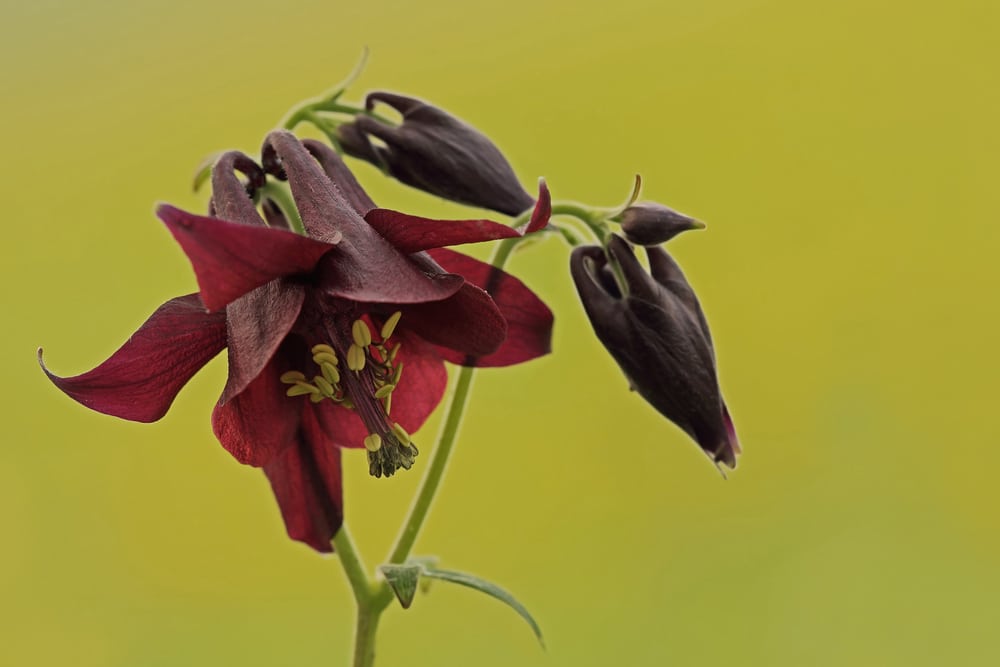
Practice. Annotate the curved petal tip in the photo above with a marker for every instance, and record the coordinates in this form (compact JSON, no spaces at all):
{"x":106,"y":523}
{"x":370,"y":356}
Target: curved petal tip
{"x":543,"y":208}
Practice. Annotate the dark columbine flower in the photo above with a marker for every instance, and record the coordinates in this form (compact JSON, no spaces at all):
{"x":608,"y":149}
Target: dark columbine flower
{"x":658,"y":335}
{"x":434,"y":151}
{"x":651,"y":224}
{"x":336,"y":338}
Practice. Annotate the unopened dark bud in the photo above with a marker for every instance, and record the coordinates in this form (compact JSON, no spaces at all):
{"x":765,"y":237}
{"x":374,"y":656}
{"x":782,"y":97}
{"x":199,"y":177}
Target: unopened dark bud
{"x":437,"y":153}
{"x":650,"y":224}
{"x":657,"y":333}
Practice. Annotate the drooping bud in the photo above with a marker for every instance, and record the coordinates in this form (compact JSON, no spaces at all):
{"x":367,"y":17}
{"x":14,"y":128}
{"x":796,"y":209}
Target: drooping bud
{"x":657,"y":333}
{"x":650,"y":224}
{"x":434,"y":151}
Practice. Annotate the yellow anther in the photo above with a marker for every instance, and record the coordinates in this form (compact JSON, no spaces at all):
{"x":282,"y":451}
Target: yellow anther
{"x":384,"y":391}
{"x":301,"y":389}
{"x":347,"y":403}
{"x":387,"y":403}
{"x":390,"y":324}
{"x":291,"y":377}
{"x":321,"y":357}
{"x":330,"y":372}
{"x":323,"y":348}
{"x":315,"y":398}
{"x":404,"y":437}
{"x":394,"y":352}
{"x":361,"y":333}
{"x":397,"y":373}
{"x":323,"y":385}
{"x":355,"y":358}
{"x":373,"y":442}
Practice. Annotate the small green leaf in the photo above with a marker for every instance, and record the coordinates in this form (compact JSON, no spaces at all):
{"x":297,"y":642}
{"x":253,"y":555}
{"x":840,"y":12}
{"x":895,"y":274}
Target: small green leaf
{"x":402,"y":579}
{"x":426,"y":563}
{"x":490,"y":589}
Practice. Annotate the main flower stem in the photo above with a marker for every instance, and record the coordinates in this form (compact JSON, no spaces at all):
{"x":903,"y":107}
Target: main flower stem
{"x":353,"y":567}
{"x":435,"y":470}
{"x":369,"y":609}
{"x":364,"y":636}
{"x":446,"y":443}
{"x":372,"y":597}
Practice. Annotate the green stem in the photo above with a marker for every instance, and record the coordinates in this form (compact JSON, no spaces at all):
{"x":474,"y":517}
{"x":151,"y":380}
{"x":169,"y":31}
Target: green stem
{"x":596,"y":222}
{"x":592,"y":218}
{"x":279,"y":194}
{"x":435,"y":470}
{"x":364,"y":636}
{"x":307,"y":112}
{"x":353,"y":567}
{"x":374,"y":597}
{"x":364,"y":591}
{"x":446,"y":443}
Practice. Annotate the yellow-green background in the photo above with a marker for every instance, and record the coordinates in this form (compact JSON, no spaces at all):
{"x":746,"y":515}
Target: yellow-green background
{"x":845,"y":158}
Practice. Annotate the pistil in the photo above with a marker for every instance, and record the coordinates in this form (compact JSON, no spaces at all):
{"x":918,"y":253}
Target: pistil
{"x":365,"y":385}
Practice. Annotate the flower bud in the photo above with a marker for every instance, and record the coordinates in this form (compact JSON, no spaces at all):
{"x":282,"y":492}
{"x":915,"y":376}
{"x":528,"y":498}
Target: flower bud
{"x":434,"y":151}
{"x":657,"y":333}
{"x":650,"y":224}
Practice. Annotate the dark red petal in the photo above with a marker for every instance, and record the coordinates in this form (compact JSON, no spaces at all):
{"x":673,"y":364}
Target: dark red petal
{"x":387,"y":278}
{"x":343,"y":427}
{"x":230,"y":258}
{"x":467,"y":322}
{"x":274,"y":215}
{"x":306,"y":482}
{"x":335,"y":169}
{"x":141,"y":379}
{"x":411,"y":233}
{"x":723,"y":447}
{"x":230,"y":200}
{"x":257,"y":323}
{"x":529,"y":320}
{"x":543,"y":209}
{"x":364,"y":266}
{"x":259,"y":423}
{"x":323,"y":208}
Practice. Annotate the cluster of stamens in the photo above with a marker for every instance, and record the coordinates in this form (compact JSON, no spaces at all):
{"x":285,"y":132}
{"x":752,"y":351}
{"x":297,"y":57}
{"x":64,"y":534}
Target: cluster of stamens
{"x":390,"y":448}
{"x":325,"y":385}
{"x":378,"y":356}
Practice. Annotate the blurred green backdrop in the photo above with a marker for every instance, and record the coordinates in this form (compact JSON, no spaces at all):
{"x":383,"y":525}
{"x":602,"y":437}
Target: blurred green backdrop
{"x":845,"y":158}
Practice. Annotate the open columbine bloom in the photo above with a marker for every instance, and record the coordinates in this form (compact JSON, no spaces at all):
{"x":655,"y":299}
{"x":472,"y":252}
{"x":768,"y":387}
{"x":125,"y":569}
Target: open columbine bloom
{"x":658,"y":334}
{"x":335,"y":338}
